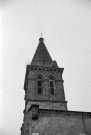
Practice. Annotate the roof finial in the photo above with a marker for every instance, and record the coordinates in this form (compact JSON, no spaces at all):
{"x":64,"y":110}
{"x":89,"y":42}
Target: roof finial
{"x":41,"y":35}
{"x":41,"y":38}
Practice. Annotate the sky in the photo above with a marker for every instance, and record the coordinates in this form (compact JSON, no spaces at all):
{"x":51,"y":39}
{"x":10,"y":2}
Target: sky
{"x":66,"y":29}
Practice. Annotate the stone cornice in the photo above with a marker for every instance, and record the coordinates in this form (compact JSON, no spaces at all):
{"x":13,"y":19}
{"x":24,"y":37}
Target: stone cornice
{"x":59,"y":113}
{"x":40,"y":68}
{"x":46,"y":112}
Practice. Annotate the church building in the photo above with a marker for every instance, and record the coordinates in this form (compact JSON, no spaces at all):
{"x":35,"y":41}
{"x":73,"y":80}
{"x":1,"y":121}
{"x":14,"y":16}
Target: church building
{"x":46,"y":111}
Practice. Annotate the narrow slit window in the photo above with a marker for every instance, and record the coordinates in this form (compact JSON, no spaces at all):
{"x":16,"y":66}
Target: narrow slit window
{"x":51,"y":83}
{"x":39,"y":85}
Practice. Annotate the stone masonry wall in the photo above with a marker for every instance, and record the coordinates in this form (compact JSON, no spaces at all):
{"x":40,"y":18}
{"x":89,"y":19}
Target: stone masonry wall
{"x":48,"y":105}
{"x":87,"y":123}
{"x":61,"y":126}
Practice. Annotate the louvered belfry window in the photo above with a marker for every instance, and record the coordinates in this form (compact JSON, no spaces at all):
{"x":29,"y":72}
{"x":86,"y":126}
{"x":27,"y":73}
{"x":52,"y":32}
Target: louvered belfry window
{"x":51,"y":84}
{"x":39,"y":85}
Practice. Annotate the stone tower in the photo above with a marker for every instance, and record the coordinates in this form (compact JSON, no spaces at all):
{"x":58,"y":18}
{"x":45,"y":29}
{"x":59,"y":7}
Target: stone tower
{"x":43,"y":84}
{"x":45,"y":110}
{"x":43,"y":81}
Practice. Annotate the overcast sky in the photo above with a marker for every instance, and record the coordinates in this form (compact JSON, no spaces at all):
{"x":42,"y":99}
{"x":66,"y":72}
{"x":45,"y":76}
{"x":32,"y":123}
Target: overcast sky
{"x":66,"y":29}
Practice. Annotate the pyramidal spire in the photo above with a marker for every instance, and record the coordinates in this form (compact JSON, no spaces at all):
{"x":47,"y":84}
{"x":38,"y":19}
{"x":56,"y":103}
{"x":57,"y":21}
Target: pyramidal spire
{"x":41,"y":56}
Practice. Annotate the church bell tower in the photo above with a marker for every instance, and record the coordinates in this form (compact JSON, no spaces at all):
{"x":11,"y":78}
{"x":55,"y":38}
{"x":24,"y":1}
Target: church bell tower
{"x":43,"y":86}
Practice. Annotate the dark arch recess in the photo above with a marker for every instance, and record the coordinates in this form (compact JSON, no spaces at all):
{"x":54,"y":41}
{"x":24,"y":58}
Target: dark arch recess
{"x":51,"y":85}
{"x":39,"y":84}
